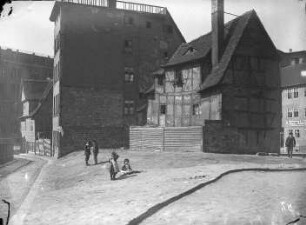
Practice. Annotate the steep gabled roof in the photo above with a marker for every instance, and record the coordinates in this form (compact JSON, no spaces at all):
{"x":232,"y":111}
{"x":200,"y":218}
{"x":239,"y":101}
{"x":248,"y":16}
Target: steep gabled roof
{"x":237,"y":32}
{"x":202,"y":45}
{"x":201,"y":48}
{"x":39,"y":97}
{"x":291,"y":75}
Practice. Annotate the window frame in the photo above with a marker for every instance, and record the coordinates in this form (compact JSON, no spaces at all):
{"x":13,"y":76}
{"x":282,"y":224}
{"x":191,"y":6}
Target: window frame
{"x":163,"y":109}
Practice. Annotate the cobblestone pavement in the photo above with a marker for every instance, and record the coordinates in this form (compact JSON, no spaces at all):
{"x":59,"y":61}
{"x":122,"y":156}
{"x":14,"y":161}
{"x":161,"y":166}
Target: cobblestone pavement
{"x":243,"y":198}
{"x":16,"y":179}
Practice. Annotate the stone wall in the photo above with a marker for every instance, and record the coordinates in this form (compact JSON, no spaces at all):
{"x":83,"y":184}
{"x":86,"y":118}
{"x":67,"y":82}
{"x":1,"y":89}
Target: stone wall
{"x":222,"y":138}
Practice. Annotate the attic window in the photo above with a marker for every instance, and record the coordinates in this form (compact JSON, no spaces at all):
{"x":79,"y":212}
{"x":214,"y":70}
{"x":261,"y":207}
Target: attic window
{"x":189,"y":51}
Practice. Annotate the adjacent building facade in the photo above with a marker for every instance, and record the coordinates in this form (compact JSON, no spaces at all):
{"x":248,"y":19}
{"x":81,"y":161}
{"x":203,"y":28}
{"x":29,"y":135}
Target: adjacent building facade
{"x":15,"y":66}
{"x":226,"y":81}
{"x":36,"y":119}
{"x":104,"y":53}
{"x":293,"y":81}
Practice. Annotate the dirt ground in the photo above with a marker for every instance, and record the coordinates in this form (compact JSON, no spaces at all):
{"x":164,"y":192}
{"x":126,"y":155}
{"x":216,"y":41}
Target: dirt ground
{"x":71,"y":193}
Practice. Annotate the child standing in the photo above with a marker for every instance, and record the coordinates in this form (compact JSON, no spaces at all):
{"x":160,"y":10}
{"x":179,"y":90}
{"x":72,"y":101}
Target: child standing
{"x":114,"y":168}
{"x":87,"y":152}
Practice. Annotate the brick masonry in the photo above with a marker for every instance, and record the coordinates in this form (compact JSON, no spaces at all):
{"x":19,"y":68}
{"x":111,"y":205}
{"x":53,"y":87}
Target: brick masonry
{"x":91,"y":113}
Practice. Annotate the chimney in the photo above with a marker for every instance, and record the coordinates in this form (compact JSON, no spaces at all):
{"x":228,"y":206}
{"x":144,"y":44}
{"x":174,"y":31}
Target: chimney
{"x":217,"y":22}
{"x":112,"y":4}
{"x":290,"y":49}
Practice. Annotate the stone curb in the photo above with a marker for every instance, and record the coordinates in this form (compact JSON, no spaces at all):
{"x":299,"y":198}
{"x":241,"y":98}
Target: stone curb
{"x":154,"y":209}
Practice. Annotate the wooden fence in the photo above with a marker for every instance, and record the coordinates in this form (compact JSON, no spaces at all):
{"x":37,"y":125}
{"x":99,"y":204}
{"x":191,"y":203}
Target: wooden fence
{"x":39,"y":147}
{"x":166,"y":138}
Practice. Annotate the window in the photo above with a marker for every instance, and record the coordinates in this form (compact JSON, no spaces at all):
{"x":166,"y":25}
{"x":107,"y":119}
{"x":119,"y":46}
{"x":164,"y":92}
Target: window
{"x":290,"y":93}
{"x":178,"y":79}
{"x":295,"y":61}
{"x":129,"y":20}
{"x":290,"y":113}
{"x":163,"y":109}
{"x":296,"y":93}
{"x":56,"y":105}
{"x":165,"y":54}
{"x":168,"y":29}
{"x":196,"y":109}
{"x":296,"y":113}
{"x":128,"y":107}
{"x":161,"y":80}
{"x":57,"y":43}
{"x":128,"y":45}
{"x":297,"y":133}
{"x":129,"y":75}
{"x":148,"y":24}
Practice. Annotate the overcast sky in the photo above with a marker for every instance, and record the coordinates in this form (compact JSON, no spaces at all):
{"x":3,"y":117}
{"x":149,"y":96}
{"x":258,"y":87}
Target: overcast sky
{"x":29,"y":28}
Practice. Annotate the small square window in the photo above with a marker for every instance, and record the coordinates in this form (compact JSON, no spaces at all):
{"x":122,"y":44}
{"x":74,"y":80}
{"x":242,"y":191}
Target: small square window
{"x":148,"y":24}
{"x":289,"y":113}
{"x":128,"y":108}
{"x":163,"y":109}
{"x":168,"y":29}
{"x":296,"y":113}
{"x":129,"y":20}
{"x":128,"y":43}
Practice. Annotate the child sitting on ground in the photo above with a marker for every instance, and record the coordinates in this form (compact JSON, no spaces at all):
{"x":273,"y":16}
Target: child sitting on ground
{"x":126,"y":168}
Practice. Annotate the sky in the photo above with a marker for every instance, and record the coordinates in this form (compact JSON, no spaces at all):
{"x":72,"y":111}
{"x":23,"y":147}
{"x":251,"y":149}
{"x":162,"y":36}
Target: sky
{"x":28,"y":27}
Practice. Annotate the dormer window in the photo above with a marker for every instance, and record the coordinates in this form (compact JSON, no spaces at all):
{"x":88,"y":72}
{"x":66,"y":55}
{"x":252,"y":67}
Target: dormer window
{"x":189,"y":51}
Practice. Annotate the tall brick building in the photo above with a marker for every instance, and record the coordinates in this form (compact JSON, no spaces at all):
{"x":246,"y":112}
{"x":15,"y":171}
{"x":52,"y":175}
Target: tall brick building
{"x":15,"y":66}
{"x":293,"y":82}
{"x":226,"y":81}
{"x":104,"y":54}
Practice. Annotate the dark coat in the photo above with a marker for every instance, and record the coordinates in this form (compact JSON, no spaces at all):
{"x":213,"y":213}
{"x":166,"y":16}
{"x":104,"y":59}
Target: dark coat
{"x":95,"y":147}
{"x":290,"y":142}
{"x":87,"y":149}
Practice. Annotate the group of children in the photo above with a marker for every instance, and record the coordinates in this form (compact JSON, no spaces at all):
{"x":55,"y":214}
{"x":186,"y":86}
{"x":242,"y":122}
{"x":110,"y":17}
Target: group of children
{"x":95,"y":150}
{"x":114,"y":167}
